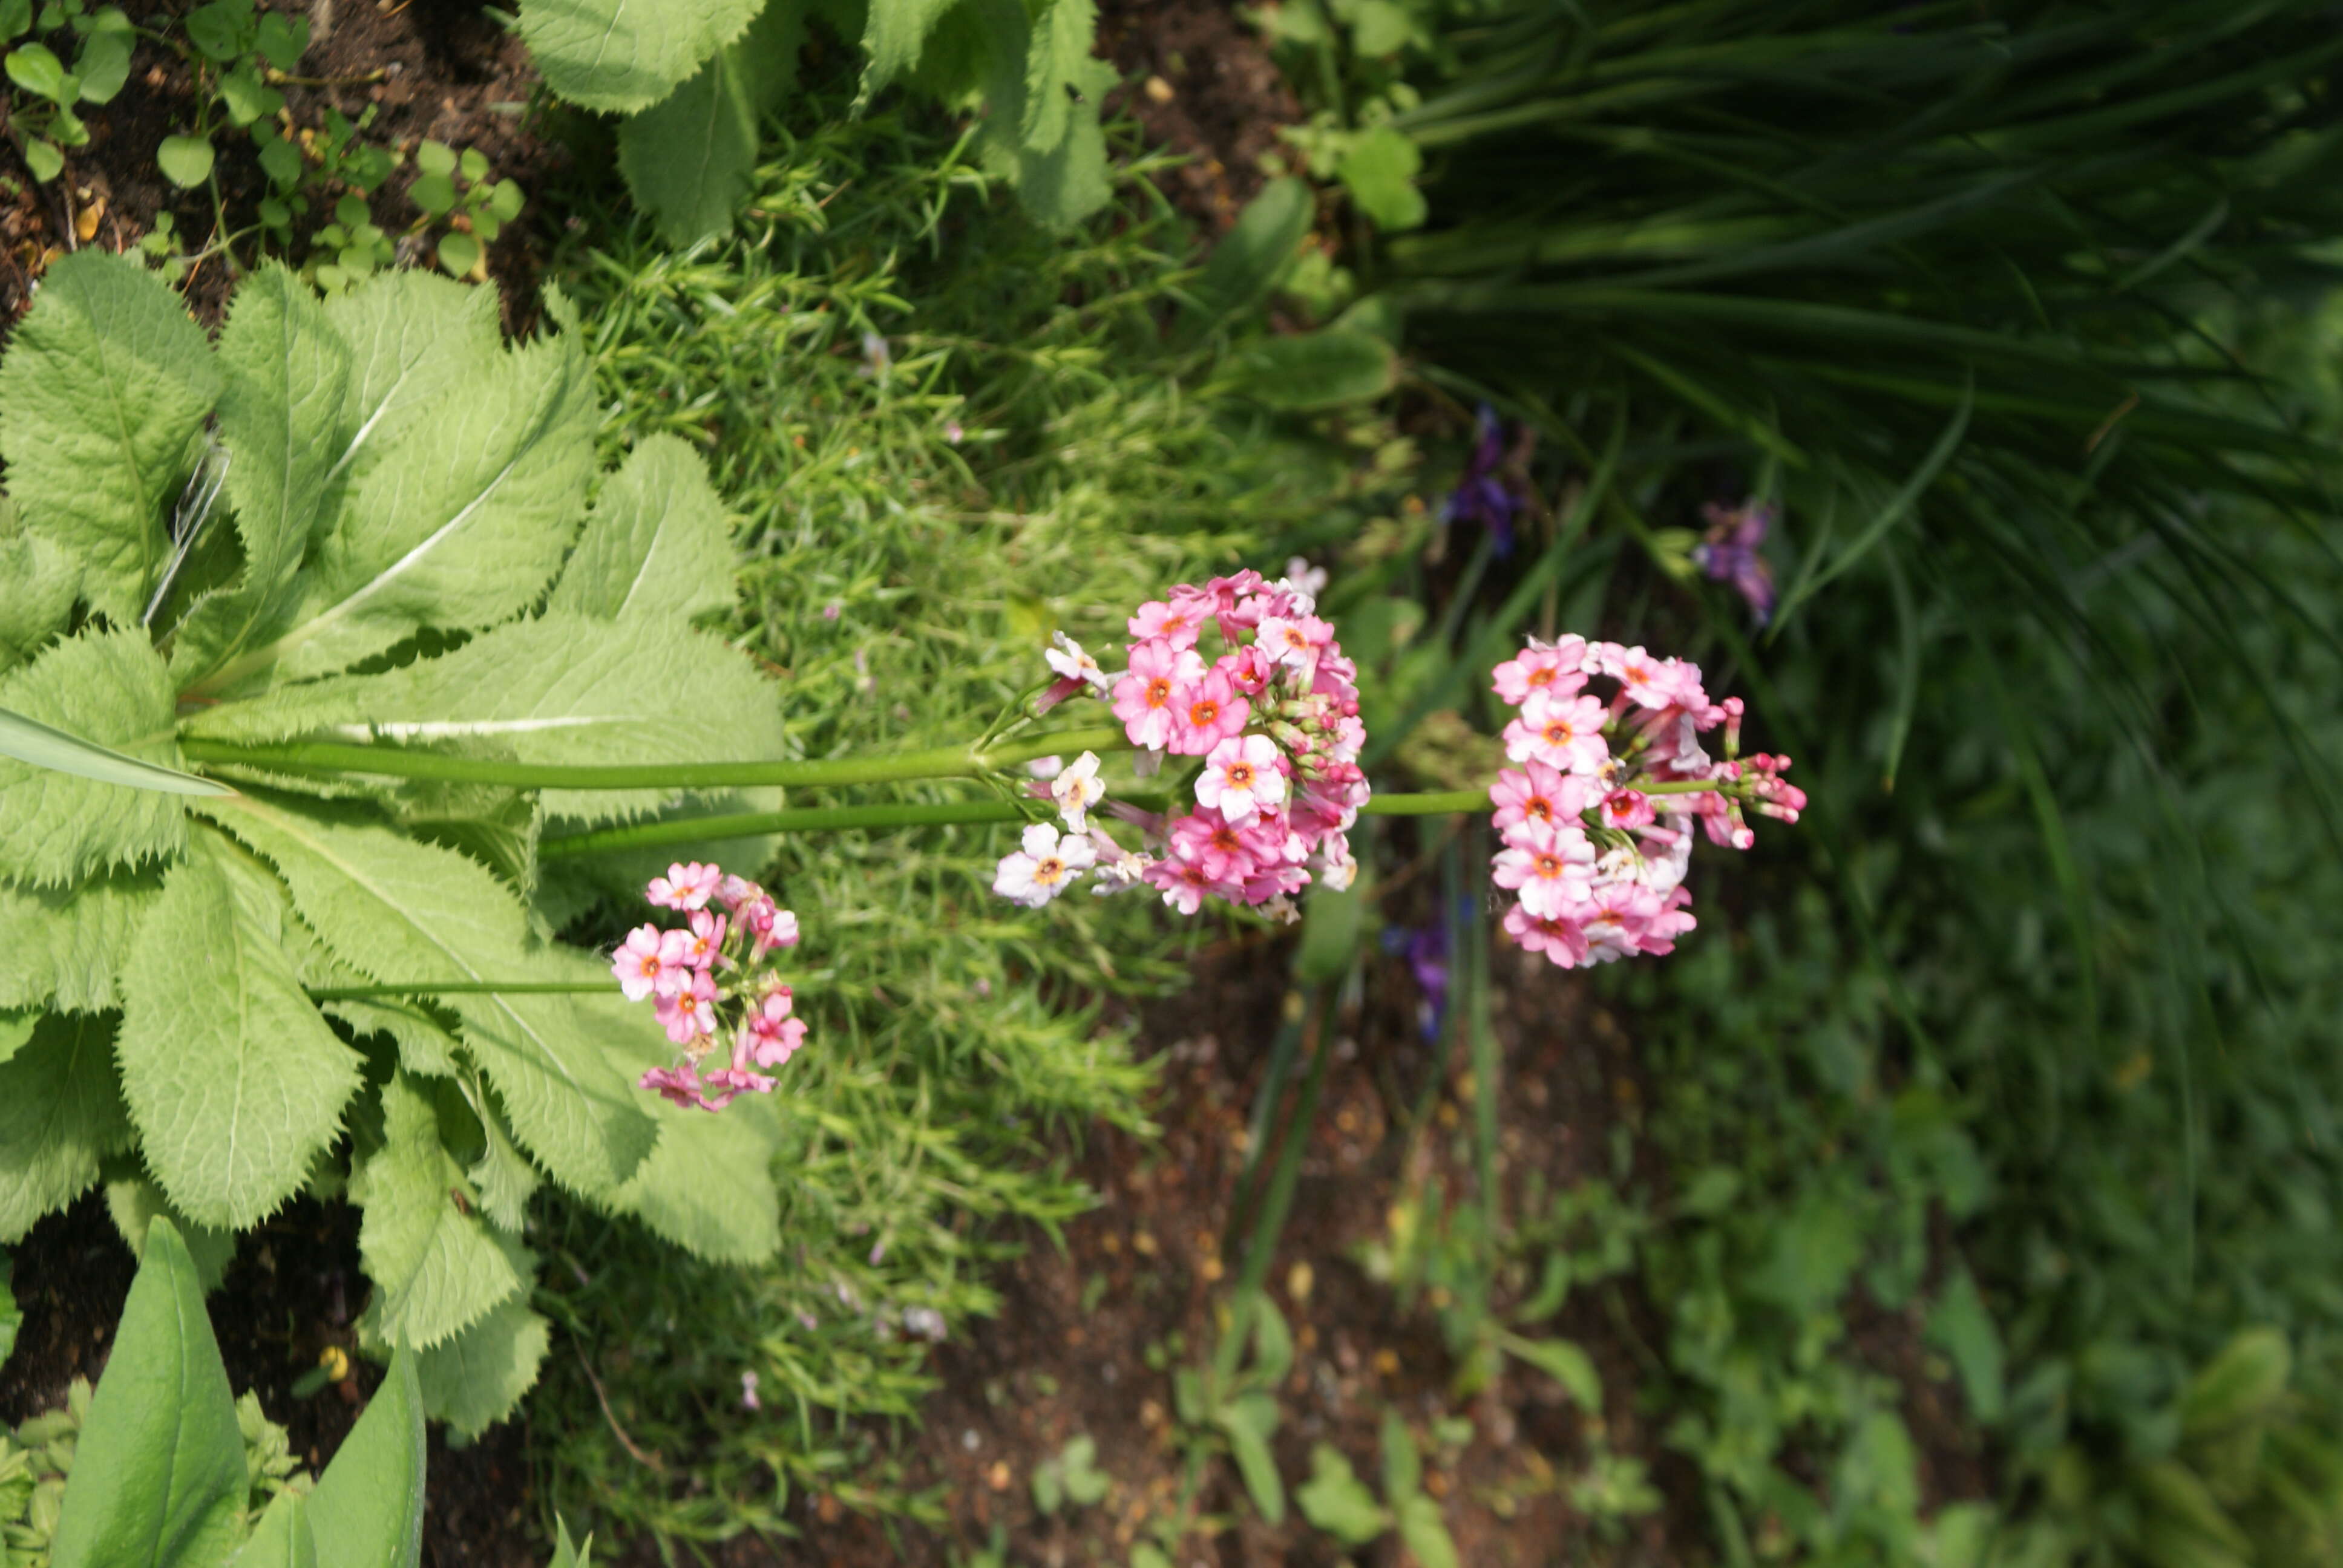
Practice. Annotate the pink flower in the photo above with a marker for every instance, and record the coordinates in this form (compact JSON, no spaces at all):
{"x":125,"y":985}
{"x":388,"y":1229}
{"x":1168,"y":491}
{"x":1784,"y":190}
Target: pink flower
{"x":650,"y":959}
{"x":1226,"y":852}
{"x":1143,"y":698}
{"x":685,"y":886}
{"x":1184,"y":884}
{"x":769,"y":926}
{"x":1046,"y":867}
{"x":1557,"y":937}
{"x":1206,"y":714}
{"x":1336,"y":869}
{"x":1535,"y":794}
{"x":1242,"y":775}
{"x":769,"y":1036}
{"x":1560,"y":670}
{"x":1550,"y":864}
{"x":705,"y":941}
{"x":1615,"y":920}
{"x":732,"y":1081}
{"x":735,"y":891}
{"x":676,"y":1083}
{"x":690,"y":1012}
{"x":1159,"y":622}
{"x":1626,"y":808}
{"x":1563,"y":732}
{"x":1296,"y":642}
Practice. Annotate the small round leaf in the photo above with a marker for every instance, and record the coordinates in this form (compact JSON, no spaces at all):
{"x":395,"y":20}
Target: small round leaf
{"x":436,"y":159}
{"x":38,"y":71}
{"x":435,"y":193}
{"x":459,"y":253}
{"x":185,"y":161}
{"x":44,"y":159}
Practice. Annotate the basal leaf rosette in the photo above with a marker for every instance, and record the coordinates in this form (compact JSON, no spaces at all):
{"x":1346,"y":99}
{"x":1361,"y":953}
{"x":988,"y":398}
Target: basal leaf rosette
{"x":368,"y":521}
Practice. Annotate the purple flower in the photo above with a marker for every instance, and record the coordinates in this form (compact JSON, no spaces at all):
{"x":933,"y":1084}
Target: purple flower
{"x":1729,"y":553}
{"x":1483,"y":495}
{"x":1425,"y":948}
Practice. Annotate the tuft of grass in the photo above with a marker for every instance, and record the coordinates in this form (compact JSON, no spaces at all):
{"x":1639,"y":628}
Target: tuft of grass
{"x":944,"y":434}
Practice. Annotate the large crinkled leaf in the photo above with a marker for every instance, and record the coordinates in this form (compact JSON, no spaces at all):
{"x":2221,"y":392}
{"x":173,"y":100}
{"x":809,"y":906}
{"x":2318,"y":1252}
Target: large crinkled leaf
{"x":233,"y":1080}
{"x":60,"y":1113}
{"x":560,"y":690}
{"x":689,"y":157}
{"x":397,"y":910}
{"x":103,"y":395}
{"x":15,"y":1029}
{"x":109,"y":686}
{"x":284,"y":412}
{"x":502,"y":1175}
{"x":475,"y":1379}
{"x":891,"y":40}
{"x":708,"y":1186}
{"x":64,"y":947}
{"x":655,"y":547}
{"x":1057,"y":164}
{"x":367,"y":1511}
{"x":621,"y":55}
{"x":1060,"y":75}
{"x":158,"y":1477}
{"x":42,"y":579}
{"x":452,"y":511}
{"x":436,"y":1269}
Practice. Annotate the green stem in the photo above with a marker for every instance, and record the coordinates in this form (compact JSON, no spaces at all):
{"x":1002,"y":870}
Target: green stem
{"x":460,"y":988}
{"x":328,"y":757}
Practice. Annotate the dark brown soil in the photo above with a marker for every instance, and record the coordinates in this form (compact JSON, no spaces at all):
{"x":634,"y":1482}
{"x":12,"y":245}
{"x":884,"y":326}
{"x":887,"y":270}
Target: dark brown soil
{"x":293,"y":1291}
{"x":1206,"y":89}
{"x":442,"y":69}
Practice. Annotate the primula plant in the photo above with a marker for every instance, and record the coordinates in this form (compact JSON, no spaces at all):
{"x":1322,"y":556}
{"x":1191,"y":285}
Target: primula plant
{"x":363,"y":523}
{"x":709,"y":984}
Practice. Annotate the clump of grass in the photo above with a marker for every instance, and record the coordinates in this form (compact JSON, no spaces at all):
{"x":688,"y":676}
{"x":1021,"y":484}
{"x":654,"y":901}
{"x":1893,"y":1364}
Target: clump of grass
{"x":945,"y":434}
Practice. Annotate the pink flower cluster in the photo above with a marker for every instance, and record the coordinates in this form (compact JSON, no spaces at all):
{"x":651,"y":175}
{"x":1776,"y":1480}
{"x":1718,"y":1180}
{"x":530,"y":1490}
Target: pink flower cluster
{"x":1598,"y":819}
{"x":1274,"y":720}
{"x":702,"y":981}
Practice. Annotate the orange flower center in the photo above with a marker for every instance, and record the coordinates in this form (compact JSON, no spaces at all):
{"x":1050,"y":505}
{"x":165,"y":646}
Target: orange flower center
{"x":1240,"y":775}
{"x":1049,"y":868}
{"x":1158,"y":692}
{"x":1204,"y":714}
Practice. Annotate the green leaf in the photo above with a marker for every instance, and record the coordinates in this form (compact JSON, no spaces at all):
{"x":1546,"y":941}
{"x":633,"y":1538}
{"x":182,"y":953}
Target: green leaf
{"x":688,"y":160}
{"x":104,"y":66}
{"x":107,"y":688}
{"x":460,"y":486}
{"x":63,"y":946}
{"x":1247,"y":1421}
{"x":1059,"y":59}
{"x":284,"y":40}
{"x":158,"y":1475}
{"x":60,"y":1112}
{"x":1336,"y":1500}
{"x":39,"y":72}
{"x":1403,"y":1464}
{"x":459,"y":253}
{"x":557,"y":689}
{"x":2246,"y":1381}
{"x":103,"y":395}
{"x":43,"y":747}
{"x":233,"y":1080}
{"x":43,"y":580}
{"x":891,"y":41}
{"x":44,"y":158}
{"x":1962,"y":1328}
{"x":434,"y":159}
{"x":134,"y":1204}
{"x":476,"y":1379}
{"x":656,"y":546}
{"x":283,"y":1538}
{"x":708,"y":1186}
{"x":502,"y":1175}
{"x":1425,"y":1532}
{"x":566,"y":1553}
{"x":394,"y":909}
{"x":1060,"y":186}
{"x":424,"y":1046}
{"x":1316,"y":370}
{"x":435,"y":193}
{"x":282,"y":414}
{"x":185,"y":161}
{"x":367,"y":1511}
{"x":1379,"y":170}
{"x":622,"y":56}
{"x":436,"y":1269}
{"x":1567,"y":1365}
{"x":11,"y":1317}
{"x":1247,"y":264}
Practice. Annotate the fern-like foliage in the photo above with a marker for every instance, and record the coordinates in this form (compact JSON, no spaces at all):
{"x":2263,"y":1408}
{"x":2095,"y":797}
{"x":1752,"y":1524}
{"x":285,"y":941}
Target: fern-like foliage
{"x":693,"y":79}
{"x":401,"y":551}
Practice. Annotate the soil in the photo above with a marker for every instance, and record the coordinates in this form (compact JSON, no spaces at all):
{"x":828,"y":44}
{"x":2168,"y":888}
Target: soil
{"x":440,"y":69}
{"x":1204,"y":87}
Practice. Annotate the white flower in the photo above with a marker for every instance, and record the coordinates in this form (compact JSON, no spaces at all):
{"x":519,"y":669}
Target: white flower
{"x":1072,"y":663}
{"x":1046,"y":768}
{"x":1077,"y":789}
{"x":1118,"y":868}
{"x":1336,"y":869}
{"x":1301,"y":578}
{"x":1044,"y":867}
